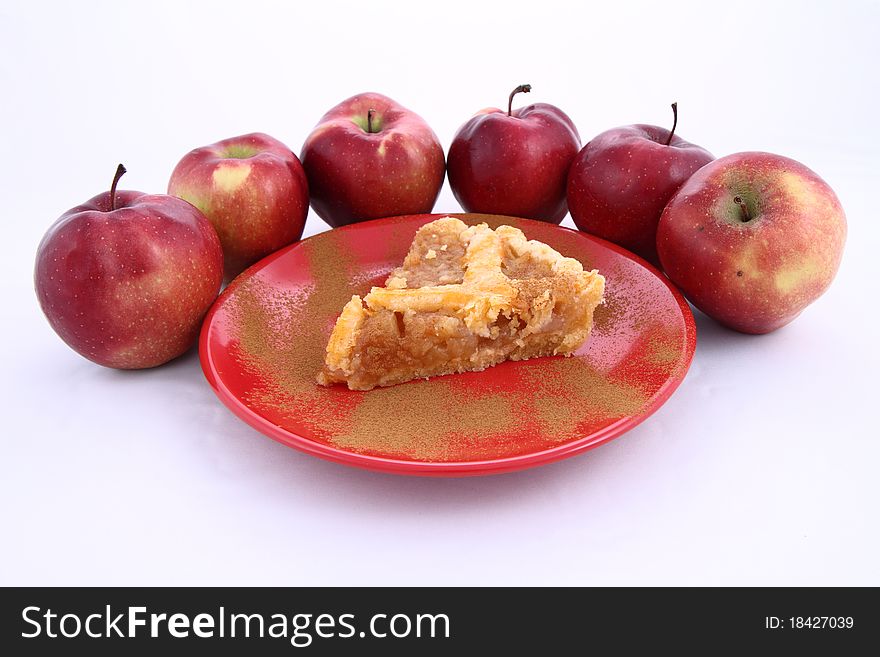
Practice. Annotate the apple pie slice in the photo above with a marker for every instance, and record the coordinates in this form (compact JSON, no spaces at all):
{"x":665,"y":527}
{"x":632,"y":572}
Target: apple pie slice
{"x":465,"y":298}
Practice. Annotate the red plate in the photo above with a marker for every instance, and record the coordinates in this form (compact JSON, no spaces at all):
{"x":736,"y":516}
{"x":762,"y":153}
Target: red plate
{"x":263,"y":343}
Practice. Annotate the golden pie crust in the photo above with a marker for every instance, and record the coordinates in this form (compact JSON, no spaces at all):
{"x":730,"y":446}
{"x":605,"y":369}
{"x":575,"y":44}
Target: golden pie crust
{"x":465,"y":298}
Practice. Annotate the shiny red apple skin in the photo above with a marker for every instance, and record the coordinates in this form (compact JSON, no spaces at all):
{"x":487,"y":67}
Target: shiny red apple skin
{"x":754,"y":276}
{"x":622,"y":179}
{"x":514,"y":165}
{"x":252,"y":189}
{"x":128,"y":288}
{"x":355,"y":175}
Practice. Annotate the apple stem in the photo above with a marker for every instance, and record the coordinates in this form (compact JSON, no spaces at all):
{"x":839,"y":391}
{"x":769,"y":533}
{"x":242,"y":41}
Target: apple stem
{"x":523,"y":88}
{"x":370,"y":113}
{"x":119,"y":171}
{"x":674,"y":123}
{"x":743,"y":209}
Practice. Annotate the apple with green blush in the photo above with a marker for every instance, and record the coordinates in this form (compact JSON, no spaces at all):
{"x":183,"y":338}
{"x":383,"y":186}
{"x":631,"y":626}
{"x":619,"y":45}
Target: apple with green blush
{"x":752,"y":239}
{"x":252,"y":189}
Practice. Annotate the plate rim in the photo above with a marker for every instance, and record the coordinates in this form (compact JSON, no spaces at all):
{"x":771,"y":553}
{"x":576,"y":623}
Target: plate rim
{"x":443,"y":468}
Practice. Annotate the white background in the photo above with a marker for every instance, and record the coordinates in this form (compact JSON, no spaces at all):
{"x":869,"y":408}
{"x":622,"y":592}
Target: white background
{"x":761,"y":469}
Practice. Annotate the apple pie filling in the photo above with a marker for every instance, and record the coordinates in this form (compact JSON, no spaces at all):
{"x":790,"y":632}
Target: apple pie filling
{"x":465,"y":298}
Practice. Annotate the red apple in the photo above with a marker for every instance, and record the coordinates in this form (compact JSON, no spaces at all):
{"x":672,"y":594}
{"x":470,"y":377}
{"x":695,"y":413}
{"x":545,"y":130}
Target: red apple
{"x":620,"y":182}
{"x":514,"y":162}
{"x":752,"y":239}
{"x":126,"y":278}
{"x":252,"y":189}
{"x":369,"y":157}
